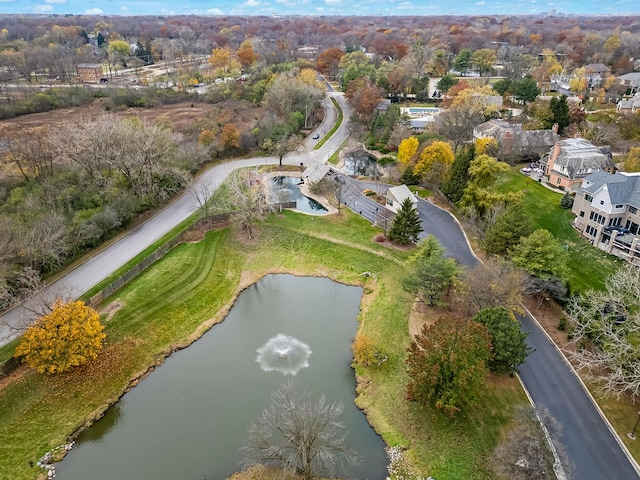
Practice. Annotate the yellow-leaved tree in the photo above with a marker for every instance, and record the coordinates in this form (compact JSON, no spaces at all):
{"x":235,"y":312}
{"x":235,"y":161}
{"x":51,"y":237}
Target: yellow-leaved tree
{"x":67,"y":337}
{"x":407,"y":150}
{"x":434,"y":163}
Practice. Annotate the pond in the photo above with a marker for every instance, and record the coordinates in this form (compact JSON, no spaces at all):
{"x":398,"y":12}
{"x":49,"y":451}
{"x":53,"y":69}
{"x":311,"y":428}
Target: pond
{"x":286,"y":189}
{"x":360,"y":163}
{"x":188,"y":418}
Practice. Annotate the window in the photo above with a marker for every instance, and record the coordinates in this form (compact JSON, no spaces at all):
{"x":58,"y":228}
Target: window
{"x":582,"y":214}
{"x":601,"y":202}
{"x":633,"y":210}
{"x":619,"y":206}
{"x":615,"y":222}
{"x":588,"y":198}
{"x":591,"y":231}
{"x":596,"y":217}
{"x":558,"y":181}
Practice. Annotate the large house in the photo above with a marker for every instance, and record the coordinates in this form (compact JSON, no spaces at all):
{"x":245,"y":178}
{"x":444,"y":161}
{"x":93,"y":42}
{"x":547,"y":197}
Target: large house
{"x":514,"y":141}
{"x":630,"y":105}
{"x":630,"y":81}
{"x":606,"y":210}
{"x":570,"y":160}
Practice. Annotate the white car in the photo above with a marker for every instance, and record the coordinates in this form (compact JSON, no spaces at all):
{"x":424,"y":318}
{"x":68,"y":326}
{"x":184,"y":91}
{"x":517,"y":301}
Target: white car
{"x":316,"y":136}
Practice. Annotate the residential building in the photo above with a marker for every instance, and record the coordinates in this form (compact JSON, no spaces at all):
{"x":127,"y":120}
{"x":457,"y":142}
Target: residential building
{"x":90,"y":72}
{"x":629,"y":105}
{"x":514,"y":141}
{"x":606,"y":209}
{"x":397,"y":195}
{"x":570,"y":160}
{"x":630,"y":81}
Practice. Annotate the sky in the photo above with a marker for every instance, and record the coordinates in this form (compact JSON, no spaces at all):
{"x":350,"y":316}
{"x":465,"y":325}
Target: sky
{"x":318,"y":7}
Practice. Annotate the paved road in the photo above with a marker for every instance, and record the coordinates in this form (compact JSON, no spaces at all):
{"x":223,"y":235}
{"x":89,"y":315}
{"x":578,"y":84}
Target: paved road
{"x":589,"y":445}
{"x":592,"y":450}
{"x":105,"y":262}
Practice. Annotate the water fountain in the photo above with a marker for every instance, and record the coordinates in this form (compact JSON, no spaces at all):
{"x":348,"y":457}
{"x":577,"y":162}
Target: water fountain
{"x":284,"y":354}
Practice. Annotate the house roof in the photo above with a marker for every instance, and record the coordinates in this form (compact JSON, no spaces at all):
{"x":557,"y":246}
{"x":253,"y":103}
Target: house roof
{"x":401,"y":193}
{"x":316,"y":172}
{"x":596,"y":68}
{"x":622,"y":188}
{"x":89,"y":65}
{"x":578,"y":155}
{"x":501,"y":130}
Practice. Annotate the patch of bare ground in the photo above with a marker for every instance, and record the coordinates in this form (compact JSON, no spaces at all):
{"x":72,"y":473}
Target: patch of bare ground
{"x":111,"y":309}
{"x":548,"y":317}
{"x":422,"y":314}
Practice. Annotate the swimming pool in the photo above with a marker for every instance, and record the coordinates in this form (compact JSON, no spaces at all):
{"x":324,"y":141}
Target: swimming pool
{"x":417,"y":111}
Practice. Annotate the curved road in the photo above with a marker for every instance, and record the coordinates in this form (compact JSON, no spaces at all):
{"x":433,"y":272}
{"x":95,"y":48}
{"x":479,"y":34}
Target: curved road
{"x":82,"y":278}
{"x":592,"y":449}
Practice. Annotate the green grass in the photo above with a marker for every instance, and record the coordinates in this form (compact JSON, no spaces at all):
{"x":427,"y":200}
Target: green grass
{"x":589,"y":266}
{"x":335,"y":127}
{"x":192,"y":286}
{"x":421,"y":192}
{"x":335,"y":157}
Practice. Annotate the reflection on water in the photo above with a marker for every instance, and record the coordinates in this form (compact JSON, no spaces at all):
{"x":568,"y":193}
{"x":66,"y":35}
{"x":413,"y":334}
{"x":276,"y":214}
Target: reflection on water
{"x":188,"y":418}
{"x":285,"y":189}
{"x":360,"y":163}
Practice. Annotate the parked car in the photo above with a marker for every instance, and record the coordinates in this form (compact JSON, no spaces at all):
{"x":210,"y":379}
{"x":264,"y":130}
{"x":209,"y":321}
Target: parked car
{"x":316,"y":136}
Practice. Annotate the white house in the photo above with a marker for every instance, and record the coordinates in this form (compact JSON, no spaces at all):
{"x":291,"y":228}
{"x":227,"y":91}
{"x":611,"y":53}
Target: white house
{"x":397,"y":195}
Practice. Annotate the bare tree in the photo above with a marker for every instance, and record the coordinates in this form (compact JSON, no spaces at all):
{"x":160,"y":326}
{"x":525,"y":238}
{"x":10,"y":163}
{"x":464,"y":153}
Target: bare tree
{"x":492,"y":284}
{"x":606,"y":327}
{"x":202,"y":193}
{"x":299,"y":434}
{"x":242,"y":195}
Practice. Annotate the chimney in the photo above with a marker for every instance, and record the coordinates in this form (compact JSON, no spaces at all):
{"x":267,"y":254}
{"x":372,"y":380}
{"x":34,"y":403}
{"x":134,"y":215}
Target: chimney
{"x":554,"y":129}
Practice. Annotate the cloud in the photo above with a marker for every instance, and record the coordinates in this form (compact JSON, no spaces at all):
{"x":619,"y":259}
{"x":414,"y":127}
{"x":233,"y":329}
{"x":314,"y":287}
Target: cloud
{"x":481,"y":2}
{"x":332,"y":2}
{"x":55,"y":1}
{"x":214,"y":11}
{"x":7,"y":1}
{"x":252,"y":3}
{"x":93,"y":11}
{"x":124,"y":9}
{"x":42,"y":9}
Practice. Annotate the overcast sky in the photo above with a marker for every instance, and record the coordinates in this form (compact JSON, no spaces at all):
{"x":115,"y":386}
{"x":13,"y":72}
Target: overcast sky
{"x":317,"y":7}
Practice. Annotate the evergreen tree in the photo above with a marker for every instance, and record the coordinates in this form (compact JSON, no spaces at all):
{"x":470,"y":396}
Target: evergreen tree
{"x":446,"y":83}
{"x":525,"y":90}
{"x":100,"y":38}
{"x":454,"y":186}
{"x":566,"y":201}
{"x":560,"y":114}
{"x":508,"y":346}
{"x":406,"y":224}
{"x":510,"y":226}
{"x":462,"y":63}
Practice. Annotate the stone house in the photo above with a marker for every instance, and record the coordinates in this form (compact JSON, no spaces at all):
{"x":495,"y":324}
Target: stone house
{"x":606,"y":210}
{"x":515,"y":142}
{"x":570,"y":160}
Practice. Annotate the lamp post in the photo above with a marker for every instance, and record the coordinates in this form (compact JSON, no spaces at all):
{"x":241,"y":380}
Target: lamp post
{"x":632,"y":435}
{"x":546,"y":302}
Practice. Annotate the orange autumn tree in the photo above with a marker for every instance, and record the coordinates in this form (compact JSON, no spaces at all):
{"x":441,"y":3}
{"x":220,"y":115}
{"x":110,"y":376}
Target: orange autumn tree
{"x":67,"y":337}
{"x":230,"y":136}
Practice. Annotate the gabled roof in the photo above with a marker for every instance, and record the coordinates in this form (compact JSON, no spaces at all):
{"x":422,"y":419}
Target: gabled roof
{"x":401,"y":193}
{"x":622,"y":189}
{"x":315,"y":172}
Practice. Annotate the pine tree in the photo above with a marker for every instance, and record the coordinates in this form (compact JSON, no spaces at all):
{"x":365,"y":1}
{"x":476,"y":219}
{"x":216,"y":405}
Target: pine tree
{"x":458,"y":179}
{"x":406,"y":224}
{"x":560,"y":114}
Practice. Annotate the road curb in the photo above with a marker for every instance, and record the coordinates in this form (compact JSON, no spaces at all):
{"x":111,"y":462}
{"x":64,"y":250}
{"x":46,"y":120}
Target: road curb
{"x":624,"y":448}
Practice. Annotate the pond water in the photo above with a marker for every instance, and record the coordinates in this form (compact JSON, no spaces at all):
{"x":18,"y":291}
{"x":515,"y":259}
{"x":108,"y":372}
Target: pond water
{"x":188,"y":418}
{"x":286,"y":189}
{"x":360,"y":163}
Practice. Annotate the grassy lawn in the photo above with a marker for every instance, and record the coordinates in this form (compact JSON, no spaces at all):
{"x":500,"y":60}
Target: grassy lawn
{"x":195,"y":284}
{"x":589,"y":266}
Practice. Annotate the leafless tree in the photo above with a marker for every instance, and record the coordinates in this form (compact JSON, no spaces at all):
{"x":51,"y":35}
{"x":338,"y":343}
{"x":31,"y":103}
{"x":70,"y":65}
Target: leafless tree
{"x":242,"y":195}
{"x":202,"y":193}
{"x":526,"y":454}
{"x":492,"y":284}
{"x":299,"y":434}
{"x":606,"y":325}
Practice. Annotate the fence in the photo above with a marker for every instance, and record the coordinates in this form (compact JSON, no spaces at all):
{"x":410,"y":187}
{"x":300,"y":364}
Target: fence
{"x":152,"y":258}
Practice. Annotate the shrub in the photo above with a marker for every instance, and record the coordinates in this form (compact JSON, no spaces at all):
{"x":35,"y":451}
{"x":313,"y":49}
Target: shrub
{"x":365,"y":353}
{"x":562,"y":323}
